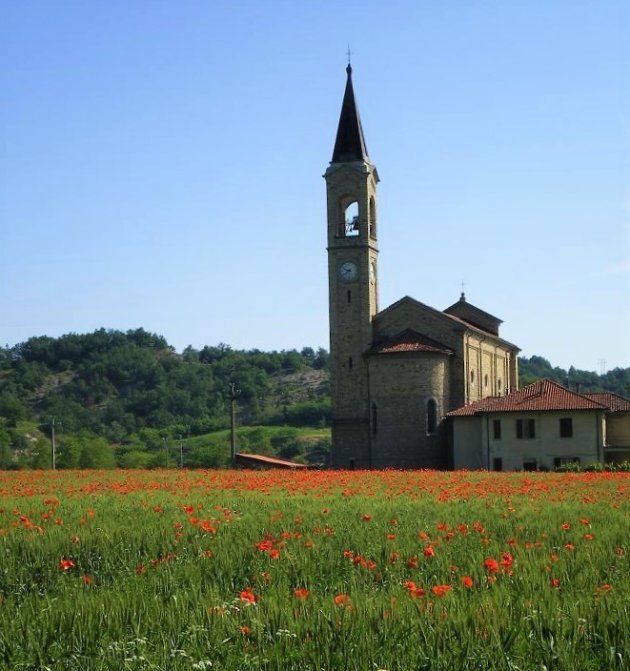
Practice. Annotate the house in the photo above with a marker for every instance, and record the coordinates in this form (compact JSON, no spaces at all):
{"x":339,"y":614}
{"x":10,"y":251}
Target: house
{"x":617,"y":439}
{"x":541,"y":426}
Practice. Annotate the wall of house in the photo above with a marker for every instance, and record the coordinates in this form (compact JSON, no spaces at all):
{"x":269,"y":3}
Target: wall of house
{"x":618,"y":429}
{"x":468,"y":442}
{"x":617,"y":436}
{"x":483,"y":355}
{"x":401,"y":386}
{"x":489,"y":369}
{"x":586,"y":443}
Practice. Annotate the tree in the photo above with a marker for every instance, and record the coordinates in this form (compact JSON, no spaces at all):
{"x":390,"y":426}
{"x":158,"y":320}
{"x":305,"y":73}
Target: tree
{"x":6,"y":453}
{"x":12,"y":409}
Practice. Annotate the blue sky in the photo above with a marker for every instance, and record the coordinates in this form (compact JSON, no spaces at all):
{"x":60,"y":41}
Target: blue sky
{"x":161,"y":163}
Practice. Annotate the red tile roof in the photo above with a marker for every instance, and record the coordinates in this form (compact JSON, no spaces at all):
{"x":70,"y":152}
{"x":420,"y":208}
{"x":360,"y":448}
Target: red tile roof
{"x":613,"y":402}
{"x":538,"y":396}
{"x":409,"y":341}
{"x":264,"y":460}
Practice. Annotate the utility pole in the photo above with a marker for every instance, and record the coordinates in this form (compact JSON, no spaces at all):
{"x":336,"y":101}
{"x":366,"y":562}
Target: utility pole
{"x":181,"y":451}
{"x":234,"y":392}
{"x":165,"y":450}
{"x":53,"y":443}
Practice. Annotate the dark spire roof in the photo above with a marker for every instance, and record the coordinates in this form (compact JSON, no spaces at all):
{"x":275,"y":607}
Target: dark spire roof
{"x":350,"y":143}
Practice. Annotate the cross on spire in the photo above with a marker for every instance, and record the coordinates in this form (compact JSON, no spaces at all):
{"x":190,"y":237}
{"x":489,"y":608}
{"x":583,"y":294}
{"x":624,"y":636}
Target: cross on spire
{"x":348,"y":54}
{"x":463,"y":296}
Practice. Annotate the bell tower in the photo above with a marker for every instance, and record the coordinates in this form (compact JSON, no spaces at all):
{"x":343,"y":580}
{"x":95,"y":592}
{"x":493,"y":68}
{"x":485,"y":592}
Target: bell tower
{"x":351,"y":181}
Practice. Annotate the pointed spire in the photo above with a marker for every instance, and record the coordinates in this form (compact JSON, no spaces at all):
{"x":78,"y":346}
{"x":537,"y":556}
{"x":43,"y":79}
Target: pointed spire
{"x":350,"y":143}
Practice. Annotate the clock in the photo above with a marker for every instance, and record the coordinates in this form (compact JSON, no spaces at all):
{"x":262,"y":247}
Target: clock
{"x":348,"y":271}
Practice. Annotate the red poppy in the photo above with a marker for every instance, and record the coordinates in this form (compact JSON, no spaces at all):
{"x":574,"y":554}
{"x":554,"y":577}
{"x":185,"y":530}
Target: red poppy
{"x":342,"y":599}
{"x":467,"y":581}
{"x":87,"y":580}
{"x":66,"y":564}
{"x":506,"y":560}
{"x":248,"y":596}
{"x":413,"y":590}
{"x":301,"y":593}
{"x":441,"y":590}
{"x":207,"y":527}
{"x":492,"y":565}
{"x":555,"y":583}
{"x":428,"y":552}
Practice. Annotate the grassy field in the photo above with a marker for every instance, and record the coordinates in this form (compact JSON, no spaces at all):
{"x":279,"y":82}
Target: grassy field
{"x":313,"y":571}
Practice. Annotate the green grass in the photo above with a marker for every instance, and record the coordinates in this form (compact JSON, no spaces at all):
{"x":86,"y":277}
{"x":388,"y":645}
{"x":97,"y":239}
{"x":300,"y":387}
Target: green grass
{"x":167,"y":556}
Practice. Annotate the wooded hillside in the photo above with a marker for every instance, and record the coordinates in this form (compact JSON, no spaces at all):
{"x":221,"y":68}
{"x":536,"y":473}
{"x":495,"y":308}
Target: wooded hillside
{"x":129,"y":399}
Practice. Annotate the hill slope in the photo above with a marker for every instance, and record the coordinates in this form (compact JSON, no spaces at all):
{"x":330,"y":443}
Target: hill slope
{"x":113,"y":394}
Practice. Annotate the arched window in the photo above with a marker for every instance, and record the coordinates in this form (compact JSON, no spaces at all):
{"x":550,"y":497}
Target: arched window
{"x":472,"y":378}
{"x":485,"y":382}
{"x":351,"y":219}
{"x":431,"y":416}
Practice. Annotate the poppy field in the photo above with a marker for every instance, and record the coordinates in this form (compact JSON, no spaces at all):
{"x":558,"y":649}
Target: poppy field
{"x":317,"y":570}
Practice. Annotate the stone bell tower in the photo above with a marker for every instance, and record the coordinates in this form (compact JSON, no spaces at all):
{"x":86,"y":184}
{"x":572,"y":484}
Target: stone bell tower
{"x":351,"y":181}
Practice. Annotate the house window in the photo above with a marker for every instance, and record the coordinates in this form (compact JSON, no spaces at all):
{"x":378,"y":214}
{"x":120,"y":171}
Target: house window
{"x":485,"y":382}
{"x":497,"y":464}
{"x":374,"y":419}
{"x":496,"y":429}
{"x":472,"y":378}
{"x":529,"y":464}
{"x":431,"y":416}
{"x":566,"y":427}
{"x":350,"y":363}
{"x":525,"y":428}
{"x":499,"y":391}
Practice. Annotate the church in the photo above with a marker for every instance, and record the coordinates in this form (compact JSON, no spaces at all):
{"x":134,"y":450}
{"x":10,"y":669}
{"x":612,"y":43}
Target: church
{"x":395,"y":372}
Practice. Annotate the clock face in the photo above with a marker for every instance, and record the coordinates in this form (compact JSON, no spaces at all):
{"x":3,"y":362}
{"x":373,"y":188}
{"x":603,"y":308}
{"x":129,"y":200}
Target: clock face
{"x":348,"y":271}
